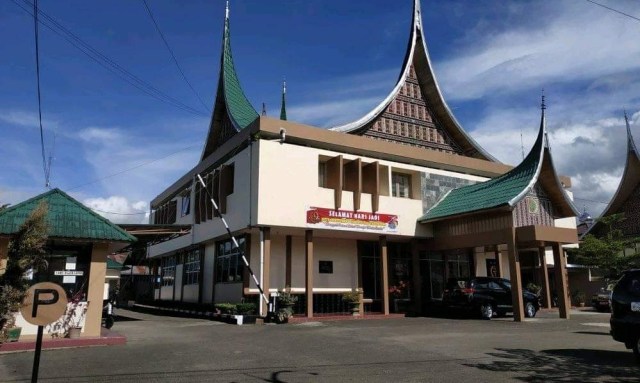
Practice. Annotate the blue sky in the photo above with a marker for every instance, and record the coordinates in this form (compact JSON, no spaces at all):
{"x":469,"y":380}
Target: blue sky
{"x":340,"y":58}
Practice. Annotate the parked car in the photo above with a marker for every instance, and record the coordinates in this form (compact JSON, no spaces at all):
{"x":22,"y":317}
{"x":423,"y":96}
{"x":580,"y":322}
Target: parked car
{"x":601,"y":301}
{"x":486,"y":296}
{"x":625,"y":311}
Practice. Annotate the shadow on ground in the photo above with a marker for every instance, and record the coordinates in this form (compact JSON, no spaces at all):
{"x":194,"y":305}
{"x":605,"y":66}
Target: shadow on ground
{"x":568,"y":365}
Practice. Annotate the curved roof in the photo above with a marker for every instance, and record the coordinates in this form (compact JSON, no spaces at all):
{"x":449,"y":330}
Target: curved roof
{"x":67,"y":218}
{"x":230,"y":98}
{"x":418,"y":54}
{"x":630,"y":177}
{"x":508,"y":189}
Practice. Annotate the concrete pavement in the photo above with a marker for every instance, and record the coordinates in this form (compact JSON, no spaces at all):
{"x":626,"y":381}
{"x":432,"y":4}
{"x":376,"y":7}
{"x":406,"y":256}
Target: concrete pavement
{"x":166,"y":349}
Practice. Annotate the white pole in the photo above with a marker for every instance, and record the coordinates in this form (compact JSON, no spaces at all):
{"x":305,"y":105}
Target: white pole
{"x":261,"y":266}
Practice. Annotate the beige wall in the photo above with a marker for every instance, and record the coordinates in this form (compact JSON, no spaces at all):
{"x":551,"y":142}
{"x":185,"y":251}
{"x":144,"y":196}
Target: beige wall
{"x":288,"y":186}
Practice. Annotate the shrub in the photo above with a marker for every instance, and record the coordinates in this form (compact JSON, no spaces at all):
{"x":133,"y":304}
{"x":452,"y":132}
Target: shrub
{"x":246,"y":308}
{"x":227,"y":308}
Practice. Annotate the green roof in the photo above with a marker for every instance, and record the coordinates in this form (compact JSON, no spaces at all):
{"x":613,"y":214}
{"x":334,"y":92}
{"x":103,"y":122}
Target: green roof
{"x":239,"y":108}
{"x":67,"y":218}
{"x":505,"y":190}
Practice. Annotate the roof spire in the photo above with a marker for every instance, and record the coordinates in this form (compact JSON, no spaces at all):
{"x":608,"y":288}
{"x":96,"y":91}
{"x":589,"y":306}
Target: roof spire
{"x":264,"y":109}
{"x":631,"y":146}
{"x":226,"y":11}
{"x":543,"y":122}
{"x":283,"y":107}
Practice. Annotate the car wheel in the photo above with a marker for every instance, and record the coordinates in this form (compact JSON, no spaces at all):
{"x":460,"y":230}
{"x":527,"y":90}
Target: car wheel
{"x":486,"y":310}
{"x":529,"y":310}
{"x":636,"y":349}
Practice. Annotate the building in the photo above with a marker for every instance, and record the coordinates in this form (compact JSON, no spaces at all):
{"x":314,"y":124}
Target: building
{"x":78,"y":243}
{"x":366,"y":205}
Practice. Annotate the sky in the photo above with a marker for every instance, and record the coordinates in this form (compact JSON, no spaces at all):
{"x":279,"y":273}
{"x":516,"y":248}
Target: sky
{"x":114,"y":147}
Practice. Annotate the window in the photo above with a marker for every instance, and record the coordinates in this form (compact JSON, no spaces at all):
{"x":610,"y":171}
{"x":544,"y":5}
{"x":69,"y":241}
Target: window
{"x":400,"y":185}
{"x":192,"y":267}
{"x":186,"y":205}
{"x":229,"y":263}
{"x":322,"y":174}
{"x":168,"y":270}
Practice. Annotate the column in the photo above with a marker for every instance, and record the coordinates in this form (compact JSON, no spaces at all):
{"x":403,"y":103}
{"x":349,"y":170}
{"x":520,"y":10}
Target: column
{"x":308,"y":250}
{"x":287,"y":263}
{"x":266,"y":268}
{"x":95,"y":293}
{"x":516,"y":280}
{"x":560,"y":270}
{"x":498,"y":263}
{"x":384,"y":270}
{"x":359,"y":280}
{"x":546,"y":302}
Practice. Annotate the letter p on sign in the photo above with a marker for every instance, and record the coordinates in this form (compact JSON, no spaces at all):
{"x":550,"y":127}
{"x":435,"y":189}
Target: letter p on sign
{"x":45,"y":303}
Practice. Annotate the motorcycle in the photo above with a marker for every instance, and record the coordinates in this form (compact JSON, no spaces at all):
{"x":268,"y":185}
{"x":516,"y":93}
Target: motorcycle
{"x":107,"y":314}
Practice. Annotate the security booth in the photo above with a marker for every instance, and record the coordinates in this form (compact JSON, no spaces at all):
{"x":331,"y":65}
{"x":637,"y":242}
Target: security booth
{"x":79,"y":241}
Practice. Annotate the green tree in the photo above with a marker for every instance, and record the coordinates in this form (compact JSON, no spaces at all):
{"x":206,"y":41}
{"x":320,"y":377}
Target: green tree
{"x":610,"y":252}
{"x":26,"y":252}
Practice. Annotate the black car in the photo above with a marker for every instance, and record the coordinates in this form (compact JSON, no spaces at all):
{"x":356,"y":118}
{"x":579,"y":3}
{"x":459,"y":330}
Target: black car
{"x":486,"y":296}
{"x":625,"y":311}
{"x":601,"y":301}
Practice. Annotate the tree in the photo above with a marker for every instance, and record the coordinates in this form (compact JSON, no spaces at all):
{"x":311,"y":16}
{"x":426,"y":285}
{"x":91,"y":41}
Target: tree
{"x":611,"y":252}
{"x":26,"y":252}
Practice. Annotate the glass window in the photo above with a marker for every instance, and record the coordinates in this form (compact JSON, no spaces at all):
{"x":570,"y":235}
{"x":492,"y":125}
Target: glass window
{"x":400,"y":184}
{"x":168,"y":266}
{"x":229,"y":263}
{"x":192,"y":267}
{"x":322,"y":174}
{"x":186,"y":205}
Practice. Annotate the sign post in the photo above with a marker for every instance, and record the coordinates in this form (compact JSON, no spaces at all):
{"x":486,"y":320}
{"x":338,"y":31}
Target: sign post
{"x":45,"y":303}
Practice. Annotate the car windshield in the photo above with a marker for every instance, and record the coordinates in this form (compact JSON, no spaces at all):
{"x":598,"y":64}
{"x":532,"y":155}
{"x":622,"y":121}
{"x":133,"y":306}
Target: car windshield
{"x":507,"y":284}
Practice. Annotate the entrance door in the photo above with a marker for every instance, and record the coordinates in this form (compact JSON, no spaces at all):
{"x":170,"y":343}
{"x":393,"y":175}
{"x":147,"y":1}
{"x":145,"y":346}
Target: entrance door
{"x":370,"y":266}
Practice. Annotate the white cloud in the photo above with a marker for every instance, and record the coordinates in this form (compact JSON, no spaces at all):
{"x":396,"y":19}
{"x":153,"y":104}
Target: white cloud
{"x":119,"y":209}
{"x":571,"y":42}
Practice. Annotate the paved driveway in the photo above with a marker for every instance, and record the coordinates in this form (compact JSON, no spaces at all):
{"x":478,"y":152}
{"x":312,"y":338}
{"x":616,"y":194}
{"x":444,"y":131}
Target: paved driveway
{"x":165,"y":349}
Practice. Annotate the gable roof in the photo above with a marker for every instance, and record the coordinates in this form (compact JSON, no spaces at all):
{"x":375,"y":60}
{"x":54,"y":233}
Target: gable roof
{"x":67,"y":218}
{"x":629,"y":181}
{"x":418,"y":55}
{"x":231,"y":102}
{"x":508,"y":189}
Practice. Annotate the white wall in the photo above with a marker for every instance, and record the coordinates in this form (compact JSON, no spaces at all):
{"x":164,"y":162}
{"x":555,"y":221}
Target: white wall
{"x":190,"y":293}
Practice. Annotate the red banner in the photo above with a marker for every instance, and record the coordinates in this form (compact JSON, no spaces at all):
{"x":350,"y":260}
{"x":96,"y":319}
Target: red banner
{"x":351,"y":220}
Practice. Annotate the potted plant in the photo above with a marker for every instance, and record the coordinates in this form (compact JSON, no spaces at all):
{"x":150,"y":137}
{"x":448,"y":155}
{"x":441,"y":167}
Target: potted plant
{"x":353,"y":298}
{"x":285,"y":302}
{"x":579,"y":298}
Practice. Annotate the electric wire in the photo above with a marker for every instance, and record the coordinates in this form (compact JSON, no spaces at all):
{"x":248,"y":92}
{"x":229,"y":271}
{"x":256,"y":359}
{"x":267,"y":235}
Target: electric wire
{"x":173,"y":56}
{"x":106,"y":62}
{"x":590,"y":200}
{"x":113,"y":212}
{"x":614,"y":10}
{"x":131,"y":168}
{"x":44,"y":160}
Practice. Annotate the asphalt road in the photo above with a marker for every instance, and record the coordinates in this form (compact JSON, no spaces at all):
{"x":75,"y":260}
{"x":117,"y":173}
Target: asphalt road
{"x":166,"y":349}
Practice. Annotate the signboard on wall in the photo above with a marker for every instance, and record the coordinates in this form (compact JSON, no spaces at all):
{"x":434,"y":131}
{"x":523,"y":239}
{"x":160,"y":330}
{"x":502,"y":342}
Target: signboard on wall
{"x":322,"y":218}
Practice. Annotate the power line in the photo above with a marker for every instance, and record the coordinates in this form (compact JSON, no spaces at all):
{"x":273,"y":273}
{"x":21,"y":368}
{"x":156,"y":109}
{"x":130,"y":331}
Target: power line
{"x":614,"y":10}
{"x":173,"y":56}
{"x":106,"y":62}
{"x":590,"y":200}
{"x":113,"y":212}
{"x":35,"y":27}
{"x":131,"y":168}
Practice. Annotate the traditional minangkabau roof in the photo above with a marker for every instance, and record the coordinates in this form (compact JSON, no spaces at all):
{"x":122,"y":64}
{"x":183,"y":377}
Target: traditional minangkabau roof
{"x":417,"y":59}
{"x":231,"y":103}
{"x":283,"y":107}
{"x":67,"y":218}
{"x":505,"y":191}
{"x":629,"y":181}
